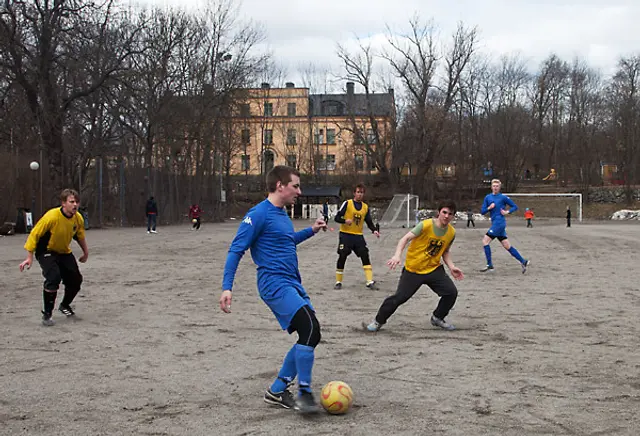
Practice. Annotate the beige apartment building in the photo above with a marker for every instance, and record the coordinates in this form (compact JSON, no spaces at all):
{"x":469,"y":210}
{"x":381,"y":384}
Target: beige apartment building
{"x":315,"y":133}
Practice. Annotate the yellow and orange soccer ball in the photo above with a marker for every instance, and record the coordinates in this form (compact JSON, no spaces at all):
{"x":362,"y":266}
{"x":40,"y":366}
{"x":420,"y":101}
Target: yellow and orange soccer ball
{"x":336,"y":397}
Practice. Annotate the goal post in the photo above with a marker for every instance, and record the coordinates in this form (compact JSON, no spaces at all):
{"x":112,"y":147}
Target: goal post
{"x":401,"y":211}
{"x":557,"y":196}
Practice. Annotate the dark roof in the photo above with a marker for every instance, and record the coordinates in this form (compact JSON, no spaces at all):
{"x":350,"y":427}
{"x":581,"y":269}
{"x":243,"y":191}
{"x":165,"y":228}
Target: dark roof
{"x":320,"y":191}
{"x":350,"y":104}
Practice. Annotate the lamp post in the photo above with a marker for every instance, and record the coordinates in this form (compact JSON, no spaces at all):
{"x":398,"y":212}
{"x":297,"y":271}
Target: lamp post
{"x":34,"y":166}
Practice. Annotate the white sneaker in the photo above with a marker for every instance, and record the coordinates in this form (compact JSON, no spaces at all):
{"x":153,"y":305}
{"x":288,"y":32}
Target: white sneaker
{"x":437,"y":322}
{"x":148,"y":232}
{"x":153,"y":231}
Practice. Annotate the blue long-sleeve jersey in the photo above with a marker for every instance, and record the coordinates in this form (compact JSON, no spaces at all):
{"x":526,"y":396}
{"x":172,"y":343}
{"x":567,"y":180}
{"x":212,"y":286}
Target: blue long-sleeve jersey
{"x":500,"y":201}
{"x":267,"y":231}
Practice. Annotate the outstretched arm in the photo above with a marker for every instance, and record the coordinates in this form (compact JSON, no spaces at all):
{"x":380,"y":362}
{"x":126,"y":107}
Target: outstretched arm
{"x":340,"y":215}
{"x":402,"y":243}
{"x":485,"y":206}
{"x":512,"y":206}
{"x":250,"y":228}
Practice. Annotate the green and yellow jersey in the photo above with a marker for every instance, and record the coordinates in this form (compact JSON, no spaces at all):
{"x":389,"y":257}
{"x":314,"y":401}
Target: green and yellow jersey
{"x":425,"y":251}
{"x":54,"y":232}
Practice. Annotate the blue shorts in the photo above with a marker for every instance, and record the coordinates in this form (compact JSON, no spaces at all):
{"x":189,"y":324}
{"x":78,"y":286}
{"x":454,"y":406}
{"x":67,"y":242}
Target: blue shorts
{"x":285,"y":302}
{"x":497,"y":231}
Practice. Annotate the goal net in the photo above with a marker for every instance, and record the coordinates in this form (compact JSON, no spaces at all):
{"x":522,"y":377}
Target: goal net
{"x":401,"y":211}
{"x":549,"y":205}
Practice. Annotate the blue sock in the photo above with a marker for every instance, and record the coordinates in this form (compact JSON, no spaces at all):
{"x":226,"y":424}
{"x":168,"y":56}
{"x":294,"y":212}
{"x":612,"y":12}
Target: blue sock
{"x":487,"y":254}
{"x":304,"y":363}
{"x":515,"y":254}
{"x":287,"y":373}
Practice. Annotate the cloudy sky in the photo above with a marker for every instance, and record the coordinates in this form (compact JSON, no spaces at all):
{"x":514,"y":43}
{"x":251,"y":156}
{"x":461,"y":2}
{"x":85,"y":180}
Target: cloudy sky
{"x":307,"y":31}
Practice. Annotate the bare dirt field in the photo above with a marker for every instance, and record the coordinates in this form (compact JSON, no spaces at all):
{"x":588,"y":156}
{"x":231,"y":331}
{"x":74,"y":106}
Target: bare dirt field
{"x":551,"y":352}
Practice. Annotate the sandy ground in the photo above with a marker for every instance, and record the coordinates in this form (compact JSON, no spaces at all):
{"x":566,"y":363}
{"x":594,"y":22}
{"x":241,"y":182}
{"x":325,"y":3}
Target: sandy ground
{"x":552,"y":352}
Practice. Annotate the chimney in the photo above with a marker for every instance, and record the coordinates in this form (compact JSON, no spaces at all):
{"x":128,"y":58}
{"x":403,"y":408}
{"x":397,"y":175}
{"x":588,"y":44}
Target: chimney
{"x":391,"y":91}
{"x":350,"y":86}
{"x":290,"y":85}
{"x":265,"y":85}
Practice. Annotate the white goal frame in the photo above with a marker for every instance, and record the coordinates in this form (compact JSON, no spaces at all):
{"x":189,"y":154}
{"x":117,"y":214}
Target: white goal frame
{"x":391,"y":216}
{"x":559,"y":194}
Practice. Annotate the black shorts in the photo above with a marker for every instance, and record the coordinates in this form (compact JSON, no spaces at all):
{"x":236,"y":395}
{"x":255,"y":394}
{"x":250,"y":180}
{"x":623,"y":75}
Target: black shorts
{"x":57,"y":268}
{"x":348,"y":243}
{"x":499,"y":238}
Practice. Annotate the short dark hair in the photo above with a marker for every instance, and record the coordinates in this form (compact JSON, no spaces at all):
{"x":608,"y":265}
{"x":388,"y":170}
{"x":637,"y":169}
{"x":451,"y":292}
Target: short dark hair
{"x":282,"y":174}
{"x":449,"y":204}
{"x":69,"y":193}
{"x":361,"y":186}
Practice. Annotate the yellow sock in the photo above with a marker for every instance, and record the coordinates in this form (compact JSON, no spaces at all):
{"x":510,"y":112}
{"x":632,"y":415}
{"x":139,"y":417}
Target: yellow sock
{"x":339,"y":274}
{"x":368,"y":272}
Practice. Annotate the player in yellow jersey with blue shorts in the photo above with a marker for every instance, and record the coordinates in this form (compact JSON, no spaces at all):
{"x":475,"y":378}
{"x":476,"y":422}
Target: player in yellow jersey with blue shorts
{"x":431,"y":242}
{"x":49,"y":241}
{"x":352,"y":216}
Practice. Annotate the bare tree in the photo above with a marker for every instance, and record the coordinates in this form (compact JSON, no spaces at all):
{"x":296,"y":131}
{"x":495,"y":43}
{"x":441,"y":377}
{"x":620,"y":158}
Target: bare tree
{"x":416,"y":59}
{"x":45,"y":41}
{"x":625,"y":107}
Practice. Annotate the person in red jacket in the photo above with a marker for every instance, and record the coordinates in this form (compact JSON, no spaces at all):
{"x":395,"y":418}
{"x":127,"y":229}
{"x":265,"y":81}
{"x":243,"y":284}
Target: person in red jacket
{"x":528,"y":215}
{"x":194,"y":214}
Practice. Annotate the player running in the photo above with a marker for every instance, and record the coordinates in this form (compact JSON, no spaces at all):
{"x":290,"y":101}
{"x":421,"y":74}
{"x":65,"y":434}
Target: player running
{"x":352,"y":216}
{"x":496,"y":203}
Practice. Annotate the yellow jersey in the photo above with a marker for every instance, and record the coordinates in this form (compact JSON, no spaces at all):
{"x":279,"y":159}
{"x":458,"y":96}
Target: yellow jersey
{"x":425,"y":251}
{"x":54,"y":232}
{"x":356,"y":216}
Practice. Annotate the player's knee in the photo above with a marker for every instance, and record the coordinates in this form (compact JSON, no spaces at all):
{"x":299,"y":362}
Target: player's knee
{"x":76,"y":281}
{"x":364,"y":256}
{"x":52,"y":282}
{"x":342,"y":258}
{"x":310,"y":333}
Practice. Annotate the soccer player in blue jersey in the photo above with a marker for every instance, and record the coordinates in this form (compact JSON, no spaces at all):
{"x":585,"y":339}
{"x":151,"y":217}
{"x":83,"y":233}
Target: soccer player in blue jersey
{"x":496,"y":203}
{"x":267,"y":231}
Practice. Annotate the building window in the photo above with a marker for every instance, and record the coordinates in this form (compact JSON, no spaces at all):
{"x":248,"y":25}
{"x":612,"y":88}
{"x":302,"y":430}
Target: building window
{"x":246,"y":162}
{"x":372,"y":162}
{"x":291,"y":137}
{"x":371,"y":138}
{"x":268,"y":137}
{"x":268,"y":109}
{"x":318,"y":136}
{"x":291,"y":160}
{"x":246,"y":136}
{"x":245,"y":110}
{"x":357,"y":137}
{"x":330,"y":162}
{"x":268,"y":161}
{"x":359,"y":162}
{"x":331,"y":136}
{"x":291,"y":109}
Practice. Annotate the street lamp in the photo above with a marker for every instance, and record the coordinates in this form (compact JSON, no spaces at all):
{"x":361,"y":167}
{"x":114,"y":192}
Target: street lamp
{"x":34,"y":166}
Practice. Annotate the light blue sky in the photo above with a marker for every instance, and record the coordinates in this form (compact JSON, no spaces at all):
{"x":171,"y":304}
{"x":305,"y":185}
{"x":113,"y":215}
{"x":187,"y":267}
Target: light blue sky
{"x":304,"y":31}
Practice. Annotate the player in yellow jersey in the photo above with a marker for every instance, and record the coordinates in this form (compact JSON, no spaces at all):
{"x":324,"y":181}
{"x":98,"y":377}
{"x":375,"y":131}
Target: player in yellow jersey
{"x":50,"y":240}
{"x":352,"y":216}
{"x":431,"y":241}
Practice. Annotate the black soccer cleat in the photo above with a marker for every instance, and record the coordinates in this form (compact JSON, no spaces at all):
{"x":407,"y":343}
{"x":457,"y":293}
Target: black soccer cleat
{"x":66,"y":310}
{"x":338,"y":285}
{"x":46,"y":319}
{"x":372,"y":285}
{"x":488,"y":268}
{"x":525,"y":265}
{"x":305,"y":403}
{"x":283,"y":399}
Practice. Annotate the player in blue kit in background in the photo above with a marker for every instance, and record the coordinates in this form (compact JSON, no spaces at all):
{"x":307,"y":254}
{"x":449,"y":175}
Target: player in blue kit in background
{"x":495,"y":204}
{"x":267,"y":231}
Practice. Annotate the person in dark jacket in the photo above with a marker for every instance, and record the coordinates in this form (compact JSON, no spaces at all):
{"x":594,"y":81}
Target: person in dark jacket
{"x":568,"y":216}
{"x":152,"y":215}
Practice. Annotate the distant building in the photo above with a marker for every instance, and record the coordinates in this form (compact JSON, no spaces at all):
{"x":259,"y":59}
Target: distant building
{"x":315,"y":133}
